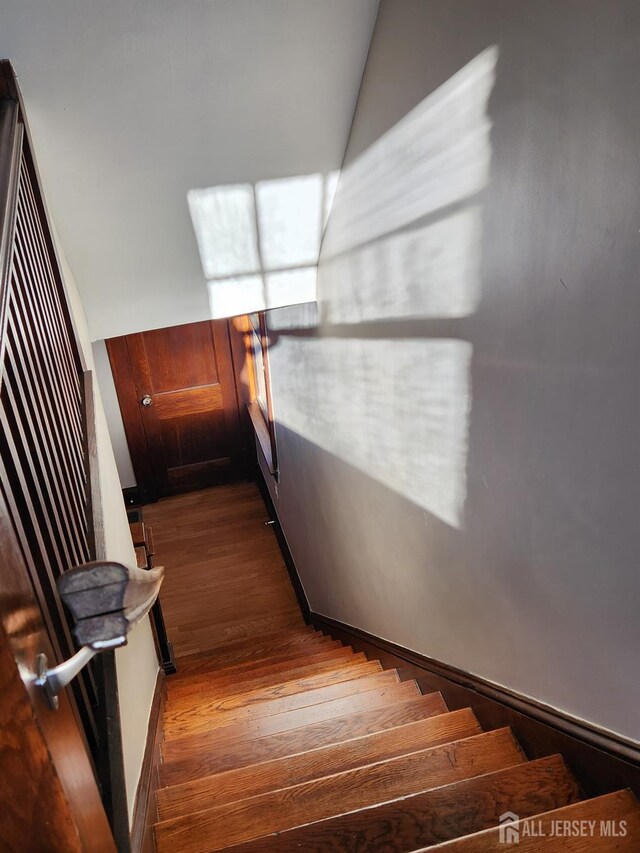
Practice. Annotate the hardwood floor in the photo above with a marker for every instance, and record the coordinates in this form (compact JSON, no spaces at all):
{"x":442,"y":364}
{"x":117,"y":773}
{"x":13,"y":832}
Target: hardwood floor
{"x":225,"y":578}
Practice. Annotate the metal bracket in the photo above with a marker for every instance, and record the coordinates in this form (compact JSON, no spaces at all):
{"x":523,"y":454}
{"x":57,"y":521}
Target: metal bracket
{"x":54,"y":680}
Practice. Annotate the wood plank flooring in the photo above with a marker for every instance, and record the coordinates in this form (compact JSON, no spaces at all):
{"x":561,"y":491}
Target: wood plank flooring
{"x":225,"y":579}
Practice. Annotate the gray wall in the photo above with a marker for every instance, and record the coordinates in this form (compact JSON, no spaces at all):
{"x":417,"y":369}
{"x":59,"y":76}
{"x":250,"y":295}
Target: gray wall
{"x":458,"y":434}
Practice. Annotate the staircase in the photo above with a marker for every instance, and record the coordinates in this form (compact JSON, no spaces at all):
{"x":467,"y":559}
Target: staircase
{"x":296,"y":743}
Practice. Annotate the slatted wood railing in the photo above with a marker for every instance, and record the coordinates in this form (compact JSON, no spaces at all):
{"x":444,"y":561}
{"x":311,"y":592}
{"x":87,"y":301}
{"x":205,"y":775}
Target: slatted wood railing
{"x":46,"y":405}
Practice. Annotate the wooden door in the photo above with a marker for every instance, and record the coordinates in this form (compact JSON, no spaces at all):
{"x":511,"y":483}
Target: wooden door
{"x":177,"y":393}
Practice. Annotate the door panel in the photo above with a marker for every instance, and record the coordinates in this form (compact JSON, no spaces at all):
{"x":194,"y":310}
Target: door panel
{"x":188,"y":436}
{"x":188,"y":401}
{"x":181,"y":357}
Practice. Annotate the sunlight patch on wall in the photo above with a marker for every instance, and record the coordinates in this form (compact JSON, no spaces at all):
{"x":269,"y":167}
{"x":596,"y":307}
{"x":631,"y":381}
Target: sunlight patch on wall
{"x":423,"y":176}
{"x":404,"y":241}
{"x":259,"y":245}
{"x":432,"y":271}
{"x":229,"y":297}
{"x":290,"y":221}
{"x":397,"y":410}
{"x":225,"y":226}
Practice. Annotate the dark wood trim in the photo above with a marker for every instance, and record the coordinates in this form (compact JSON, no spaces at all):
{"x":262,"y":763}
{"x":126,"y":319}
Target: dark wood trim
{"x":287,"y":556}
{"x":145,"y":812}
{"x":602,"y":761}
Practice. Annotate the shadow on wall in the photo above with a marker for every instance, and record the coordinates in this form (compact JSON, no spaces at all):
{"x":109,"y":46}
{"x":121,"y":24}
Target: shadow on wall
{"x":357,"y":563}
{"x":403,"y":245}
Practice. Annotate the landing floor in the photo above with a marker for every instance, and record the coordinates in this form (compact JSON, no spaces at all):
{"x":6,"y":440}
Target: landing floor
{"x":225,"y":577}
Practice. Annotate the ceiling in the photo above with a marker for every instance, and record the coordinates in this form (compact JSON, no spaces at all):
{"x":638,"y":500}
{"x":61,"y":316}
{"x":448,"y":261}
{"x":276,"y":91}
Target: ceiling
{"x":133,"y":103}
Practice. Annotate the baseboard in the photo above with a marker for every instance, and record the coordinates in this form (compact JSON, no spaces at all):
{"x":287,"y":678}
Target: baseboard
{"x":601,"y":761}
{"x":144,"y":810}
{"x":287,"y":556}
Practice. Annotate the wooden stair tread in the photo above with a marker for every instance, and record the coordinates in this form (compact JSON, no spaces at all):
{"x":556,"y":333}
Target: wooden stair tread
{"x":289,"y":720}
{"x":241,"y":616}
{"x":434,"y":816}
{"x":276,"y":661}
{"x":279,"y":671}
{"x":619,"y":806}
{"x":193,"y":640}
{"x":206,"y":715}
{"x":273,"y":682}
{"x":250,"y":646}
{"x":284,"y":772}
{"x":244,"y":693}
{"x":230,"y":756}
{"x":317,"y":799}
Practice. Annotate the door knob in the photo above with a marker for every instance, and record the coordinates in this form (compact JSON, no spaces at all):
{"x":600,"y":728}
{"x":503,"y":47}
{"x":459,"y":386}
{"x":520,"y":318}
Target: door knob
{"x":147,"y":401}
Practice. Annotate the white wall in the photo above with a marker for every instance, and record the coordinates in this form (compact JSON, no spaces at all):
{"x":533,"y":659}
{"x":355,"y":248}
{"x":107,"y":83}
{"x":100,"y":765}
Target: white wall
{"x":134,"y":104}
{"x":112,"y":412}
{"x":457,"y":438}
{"x":136,"y":663}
